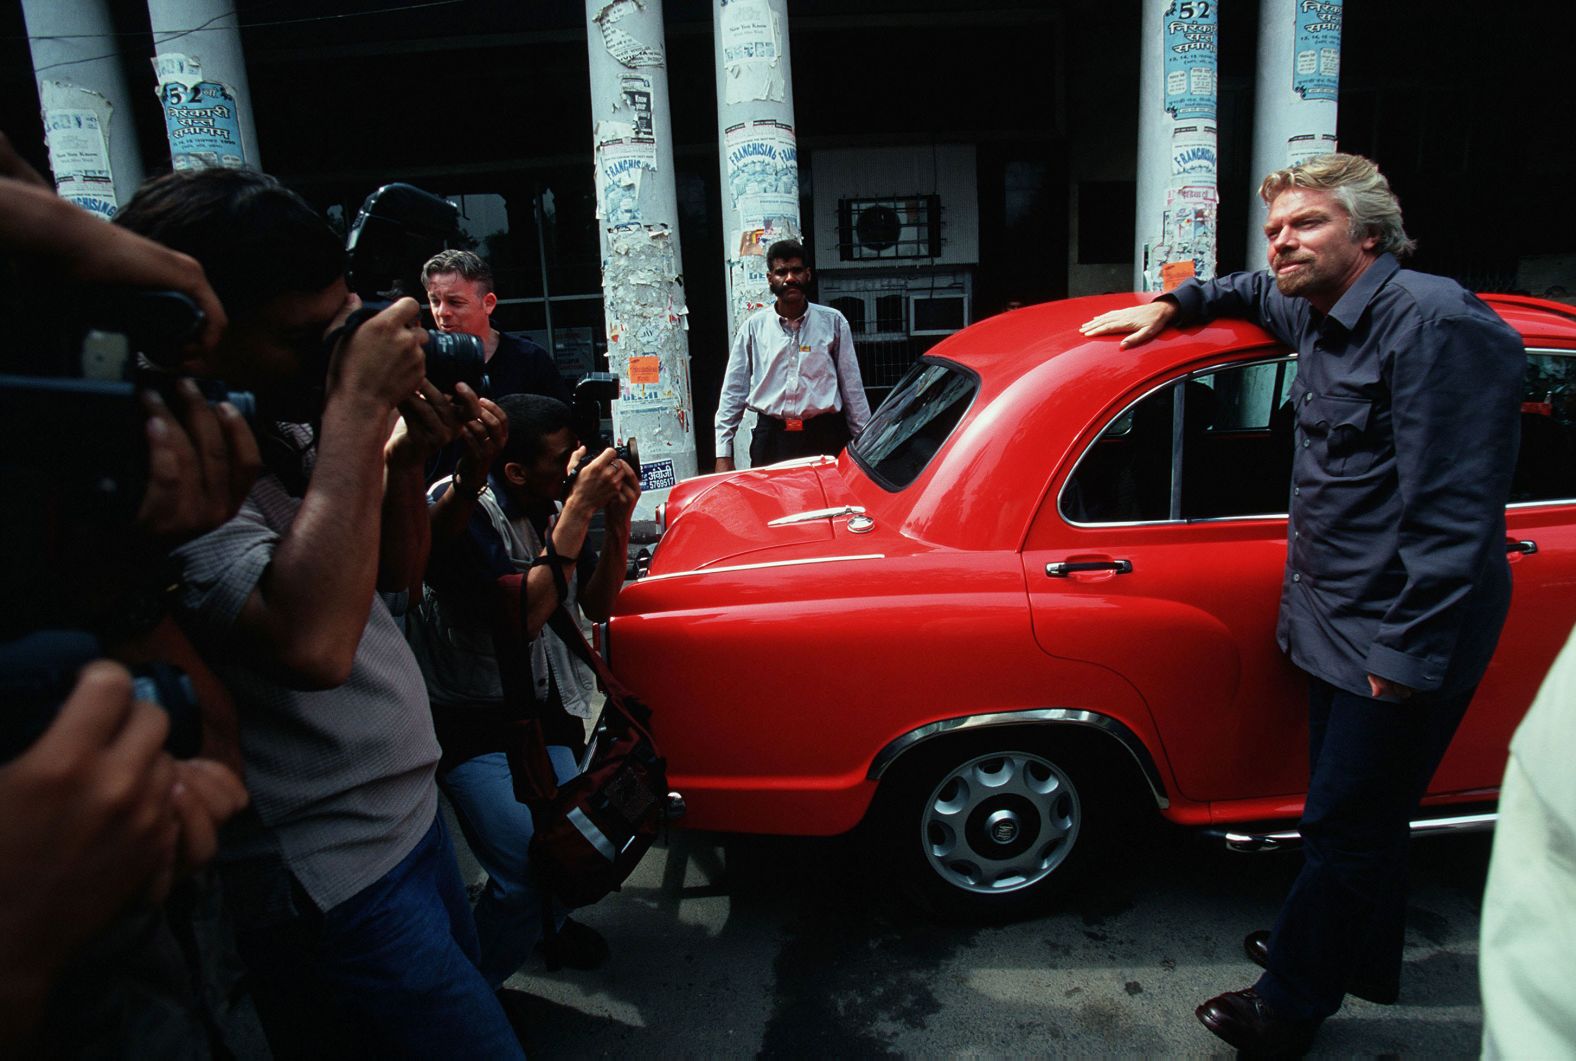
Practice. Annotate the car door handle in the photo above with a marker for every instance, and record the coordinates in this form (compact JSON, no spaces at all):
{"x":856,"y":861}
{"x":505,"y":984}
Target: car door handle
{"x":1065,"y":568}
{"x":1525,"y":547}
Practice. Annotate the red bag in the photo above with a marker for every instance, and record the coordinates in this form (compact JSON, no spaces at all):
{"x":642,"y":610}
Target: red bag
{"x":592,"y":830}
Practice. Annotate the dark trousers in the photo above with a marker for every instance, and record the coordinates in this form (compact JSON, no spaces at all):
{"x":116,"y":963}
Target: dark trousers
{"x":388,"y":973}
{"x":772,"y":441}
{"x":1344,"y":922}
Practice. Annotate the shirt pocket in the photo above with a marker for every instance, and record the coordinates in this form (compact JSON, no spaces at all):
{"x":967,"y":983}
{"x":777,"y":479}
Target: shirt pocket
{"x":1339,"y":428}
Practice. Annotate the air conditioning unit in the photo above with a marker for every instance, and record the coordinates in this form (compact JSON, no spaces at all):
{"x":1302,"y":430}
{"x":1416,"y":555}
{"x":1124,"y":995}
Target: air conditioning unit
{"x":893,"y":227}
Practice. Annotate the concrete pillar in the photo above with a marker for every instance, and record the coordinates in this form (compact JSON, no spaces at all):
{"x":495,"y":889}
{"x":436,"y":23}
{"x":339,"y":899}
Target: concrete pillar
{"x":642,"y":290}
{"x":82,"y":90}
{"x":759,"y":156}
{"x":1295,"y":107}
{"x":1178,"y":196}
{"x":202,"y":84}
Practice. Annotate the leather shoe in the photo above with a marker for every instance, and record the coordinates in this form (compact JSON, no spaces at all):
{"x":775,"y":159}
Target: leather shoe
{"x":1256,"y":945}
{"x":1245,"y":1021}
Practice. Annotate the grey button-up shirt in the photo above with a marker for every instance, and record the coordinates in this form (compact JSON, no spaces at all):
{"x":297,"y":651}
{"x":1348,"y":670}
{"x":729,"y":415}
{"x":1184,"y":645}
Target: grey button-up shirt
{"x":791,"y":369}
{"x":1407,"y":406}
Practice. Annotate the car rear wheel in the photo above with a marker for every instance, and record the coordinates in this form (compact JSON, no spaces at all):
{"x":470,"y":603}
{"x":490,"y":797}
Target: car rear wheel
{"x":987,"y":828}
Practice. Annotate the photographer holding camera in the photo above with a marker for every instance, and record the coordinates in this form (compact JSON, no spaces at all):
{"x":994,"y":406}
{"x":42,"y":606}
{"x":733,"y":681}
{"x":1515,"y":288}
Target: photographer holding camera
{"x":108,"y":809}
{"x":509,"y":549}
{"x":350,"y":909}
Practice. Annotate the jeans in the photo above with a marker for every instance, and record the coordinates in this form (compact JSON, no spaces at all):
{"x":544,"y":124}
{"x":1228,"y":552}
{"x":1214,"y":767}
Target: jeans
{"x":498,"y":829}
{"x":389,"y":972}
{"x":1344,"y":921}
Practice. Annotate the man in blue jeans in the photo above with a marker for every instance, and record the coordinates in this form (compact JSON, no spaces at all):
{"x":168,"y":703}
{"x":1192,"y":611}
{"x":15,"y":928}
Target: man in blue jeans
{"x":1407,"y":401}
{"x":349,"y":907}
{"x":488,"y":655}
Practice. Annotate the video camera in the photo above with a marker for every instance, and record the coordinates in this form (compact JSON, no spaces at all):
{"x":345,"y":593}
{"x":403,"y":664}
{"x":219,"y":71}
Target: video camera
{"x":585,"y":420}
{"x":398,"y":229}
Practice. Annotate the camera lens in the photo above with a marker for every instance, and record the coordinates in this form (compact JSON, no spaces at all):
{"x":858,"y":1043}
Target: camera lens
{"x":454,"y":358}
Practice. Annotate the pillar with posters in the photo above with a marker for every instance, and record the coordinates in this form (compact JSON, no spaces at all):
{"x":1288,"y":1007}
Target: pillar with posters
{"x":1178,"y":194}
{"x":93,"y":149}
{"x":637,"y":210}
{"x":200,"y":72}
{"x":1295,"y":108}
{"x":759,"y":156}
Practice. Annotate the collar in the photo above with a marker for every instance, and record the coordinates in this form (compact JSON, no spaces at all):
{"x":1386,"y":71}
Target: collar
{"x":800,"y":319}
{"x":1351,"y":306}
{"x":507,"y":504}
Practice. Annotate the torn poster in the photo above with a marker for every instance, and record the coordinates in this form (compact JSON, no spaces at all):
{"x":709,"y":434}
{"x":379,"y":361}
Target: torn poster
{"x":620,"y":42}
{"x":751,"y":52}
{"x":622,"y":160}
{"x":1316,"y":54}
{"x":1303,"y":146}
{"x":201,"y":119}
{"x":1191,"y":45}
{"x":637,"y":102}
{"x":763,"y":159}
{"x":646,"y":318}
{"x":76,"y":129}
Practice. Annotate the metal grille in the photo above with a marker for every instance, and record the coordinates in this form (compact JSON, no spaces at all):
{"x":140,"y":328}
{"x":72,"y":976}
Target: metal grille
{"x":889,"y":228}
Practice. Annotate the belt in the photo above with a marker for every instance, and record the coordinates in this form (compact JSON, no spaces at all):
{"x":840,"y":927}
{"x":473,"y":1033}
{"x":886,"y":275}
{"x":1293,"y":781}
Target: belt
{"x":789,"y":423}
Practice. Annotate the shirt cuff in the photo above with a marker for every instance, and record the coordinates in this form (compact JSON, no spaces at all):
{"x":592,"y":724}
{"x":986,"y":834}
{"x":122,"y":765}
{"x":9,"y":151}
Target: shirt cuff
{"x":1422,"y":675}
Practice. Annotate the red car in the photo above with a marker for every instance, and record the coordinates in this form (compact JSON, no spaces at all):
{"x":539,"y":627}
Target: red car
{"x":1043,"y":581}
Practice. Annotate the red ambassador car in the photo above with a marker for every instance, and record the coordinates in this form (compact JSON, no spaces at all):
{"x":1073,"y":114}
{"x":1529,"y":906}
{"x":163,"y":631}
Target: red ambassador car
{"x":1043,"y":580}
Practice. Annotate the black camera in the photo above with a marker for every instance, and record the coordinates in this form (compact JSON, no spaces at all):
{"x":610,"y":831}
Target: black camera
{"x":73,"y":445}
{"x":38,"y":672}
{"x":398,"y":229}
{"x":585,"y":420}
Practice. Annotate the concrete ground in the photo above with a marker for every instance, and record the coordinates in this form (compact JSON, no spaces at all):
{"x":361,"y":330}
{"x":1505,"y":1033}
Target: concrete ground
{"x":785,"y":948}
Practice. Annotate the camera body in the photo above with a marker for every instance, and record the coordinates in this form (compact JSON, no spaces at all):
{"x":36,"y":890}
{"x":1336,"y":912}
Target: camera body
{"x":585,"y":420}
{"x":398,"y":228}
{"x":38,"y":671}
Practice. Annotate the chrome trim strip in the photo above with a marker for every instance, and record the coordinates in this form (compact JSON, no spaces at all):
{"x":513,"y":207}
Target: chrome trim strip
{"x":817,"y":513}
{"x":1045,"y":715}
{"x":766,"y":564}
{"x":1255,"y":843}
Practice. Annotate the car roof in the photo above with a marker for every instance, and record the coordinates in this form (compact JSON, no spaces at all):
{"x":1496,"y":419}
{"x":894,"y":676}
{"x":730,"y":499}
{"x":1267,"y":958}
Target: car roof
{"x":1043,"y":383}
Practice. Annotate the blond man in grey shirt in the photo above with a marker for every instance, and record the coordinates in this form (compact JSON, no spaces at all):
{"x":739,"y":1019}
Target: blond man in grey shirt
{"x":794,"y":366}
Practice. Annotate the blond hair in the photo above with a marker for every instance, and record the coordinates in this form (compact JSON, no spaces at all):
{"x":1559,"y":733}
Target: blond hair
{"x":1361,"y":190}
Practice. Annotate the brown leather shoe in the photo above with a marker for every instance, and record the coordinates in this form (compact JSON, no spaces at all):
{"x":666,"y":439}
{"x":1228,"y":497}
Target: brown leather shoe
{"x":1256,"y":945}
{"x":1246,"y":1021}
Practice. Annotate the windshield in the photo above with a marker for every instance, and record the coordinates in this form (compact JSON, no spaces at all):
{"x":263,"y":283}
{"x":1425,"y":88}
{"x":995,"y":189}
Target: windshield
{"x":913,"y":422}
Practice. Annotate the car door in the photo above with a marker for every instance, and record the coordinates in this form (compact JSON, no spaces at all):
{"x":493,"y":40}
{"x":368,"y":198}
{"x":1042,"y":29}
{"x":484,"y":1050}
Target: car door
{"x":1540,"y":527}
{"x":1160,"y":556}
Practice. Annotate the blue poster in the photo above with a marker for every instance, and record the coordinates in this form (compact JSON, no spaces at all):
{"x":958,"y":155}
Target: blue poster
{"x":1191,"y":47}
{"x":202,"y":125}
{"x":1316,"y":55}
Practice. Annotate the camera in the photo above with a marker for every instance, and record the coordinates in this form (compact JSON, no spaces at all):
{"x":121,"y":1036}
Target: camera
{"x":38,"y":672}
{"x":398,"y":229}
{"x":78,"y":436}
{"x":585,"y":420}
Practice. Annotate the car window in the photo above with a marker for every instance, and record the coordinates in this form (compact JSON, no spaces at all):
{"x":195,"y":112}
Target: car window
{"x":913,"y":422}
{"x":1215,"y":445}
{"x":1546,"y":462}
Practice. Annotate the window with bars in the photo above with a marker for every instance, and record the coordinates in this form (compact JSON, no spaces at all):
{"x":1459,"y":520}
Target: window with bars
{"x":889,"y":228}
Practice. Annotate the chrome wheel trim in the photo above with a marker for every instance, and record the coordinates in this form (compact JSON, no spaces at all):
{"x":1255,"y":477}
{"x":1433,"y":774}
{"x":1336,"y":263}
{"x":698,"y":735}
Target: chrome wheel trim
{"x":1000,"y":822}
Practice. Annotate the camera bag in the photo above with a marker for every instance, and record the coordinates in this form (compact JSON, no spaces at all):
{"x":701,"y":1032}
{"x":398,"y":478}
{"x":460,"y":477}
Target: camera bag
{"x":592,"y":830}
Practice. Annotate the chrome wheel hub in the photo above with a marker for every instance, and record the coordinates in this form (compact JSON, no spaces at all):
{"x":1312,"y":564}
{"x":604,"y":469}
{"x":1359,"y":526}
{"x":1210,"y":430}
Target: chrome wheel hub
{"x":1000,"y":822}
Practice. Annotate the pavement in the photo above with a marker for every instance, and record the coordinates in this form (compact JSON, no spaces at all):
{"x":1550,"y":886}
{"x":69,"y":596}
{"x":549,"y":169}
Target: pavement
{"x":780,"y":947}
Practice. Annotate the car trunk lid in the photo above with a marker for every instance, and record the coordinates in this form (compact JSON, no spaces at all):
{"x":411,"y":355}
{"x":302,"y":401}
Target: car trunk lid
{"x":748,"y":514}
